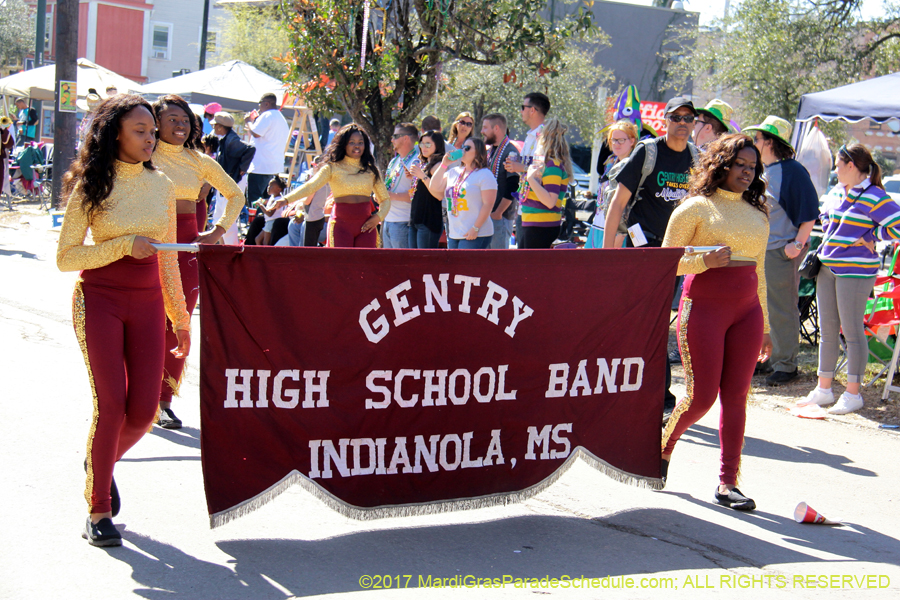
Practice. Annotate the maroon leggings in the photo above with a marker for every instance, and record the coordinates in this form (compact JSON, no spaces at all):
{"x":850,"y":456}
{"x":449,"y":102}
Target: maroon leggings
{"x":190,"y":282}
{"x":720,"y":329}
{"x":346,"y":221}
{"x":120,"y":324}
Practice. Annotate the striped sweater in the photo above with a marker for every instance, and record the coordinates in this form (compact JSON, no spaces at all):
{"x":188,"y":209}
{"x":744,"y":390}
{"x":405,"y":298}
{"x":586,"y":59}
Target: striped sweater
{"x":865,"y":213}
{"x":556,"y":181}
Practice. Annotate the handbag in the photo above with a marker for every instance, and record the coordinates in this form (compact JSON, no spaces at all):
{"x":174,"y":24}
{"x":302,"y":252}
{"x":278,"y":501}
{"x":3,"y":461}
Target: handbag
{"x":810,"y":266}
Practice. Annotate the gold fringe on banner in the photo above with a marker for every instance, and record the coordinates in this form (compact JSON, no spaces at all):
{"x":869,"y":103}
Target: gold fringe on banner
{"x":427,"y":508}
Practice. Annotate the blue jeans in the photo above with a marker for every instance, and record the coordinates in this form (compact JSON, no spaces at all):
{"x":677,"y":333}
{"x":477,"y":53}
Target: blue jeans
{"x":394,"y":235}
{"x":482,"y":243}
{"x":502,"y":232}
{"x":422,"y":237}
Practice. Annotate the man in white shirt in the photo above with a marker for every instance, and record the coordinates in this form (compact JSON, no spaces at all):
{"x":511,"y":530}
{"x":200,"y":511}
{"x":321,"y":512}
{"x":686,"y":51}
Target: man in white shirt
{"x":397,"y":178}
{"x":535,"y":107}
{"x":270,"y":133}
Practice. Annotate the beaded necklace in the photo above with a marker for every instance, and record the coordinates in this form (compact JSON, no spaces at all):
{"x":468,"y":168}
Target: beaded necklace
{"x":457,"y":192}
{"x":495,"y":162}
{"x":397,"y":166}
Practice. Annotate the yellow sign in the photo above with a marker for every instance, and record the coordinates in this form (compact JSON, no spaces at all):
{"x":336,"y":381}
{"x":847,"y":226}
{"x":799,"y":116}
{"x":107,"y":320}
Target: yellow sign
{"x":67,"y":96}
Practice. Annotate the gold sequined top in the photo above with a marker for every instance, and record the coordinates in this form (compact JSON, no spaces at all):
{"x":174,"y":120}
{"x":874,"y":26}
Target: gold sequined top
{"x":346,"y":180}
{"x":722,"y":219}
{"x":142,"y":202}
{"x":188,"y":169}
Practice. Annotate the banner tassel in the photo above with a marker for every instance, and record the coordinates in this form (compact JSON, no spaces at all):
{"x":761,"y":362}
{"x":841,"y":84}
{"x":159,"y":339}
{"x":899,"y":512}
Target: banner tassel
{"x":427,"y":508}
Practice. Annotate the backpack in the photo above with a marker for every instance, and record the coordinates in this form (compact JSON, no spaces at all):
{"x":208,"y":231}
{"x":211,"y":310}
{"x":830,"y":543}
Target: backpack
{"x":650,"y":153}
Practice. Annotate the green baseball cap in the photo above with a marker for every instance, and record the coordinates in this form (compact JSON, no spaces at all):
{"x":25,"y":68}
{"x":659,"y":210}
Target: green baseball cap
{"x":719,"y":110}
{"x":775,"y":126}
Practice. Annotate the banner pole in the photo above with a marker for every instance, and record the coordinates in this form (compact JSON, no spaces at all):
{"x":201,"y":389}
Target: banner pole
{"x":177,"y":247}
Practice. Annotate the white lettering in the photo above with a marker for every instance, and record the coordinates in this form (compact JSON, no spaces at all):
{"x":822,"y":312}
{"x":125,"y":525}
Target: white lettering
{"x":467,"y":387}
{"x":414,"y":373}
{"x":428,"y":399}
{"x":520,"y":313}
{"x":494,"y":299}
{"x":378,"y":389}
{"x":561,"y":440}
{"x":541,"y":440}
{"x":357,"y":456}
{"x":581,"y":381}
{"x":467,"y":282}
{"x":234,"y":387}
{"x":423,"y":451}
{"x":639,"y":377}
{"x":502,"y":394}
{"x":339,"y":458}
{"x":476,"y":384}
{"x":381,"y":323}
{"x":607,"y":373}
{"x":457,"y":457}
{"x":400,"y":457}
{"x":400,"y":302}
{"x":493,"y":450}
{"x":559,"y":376}
{"x":467,"y":463}
{"x":261,"y":401}
{"x":432,"y":293}
{"x":320,"y":388}
{"x":314,"y":459}
{"x":292,"y":394}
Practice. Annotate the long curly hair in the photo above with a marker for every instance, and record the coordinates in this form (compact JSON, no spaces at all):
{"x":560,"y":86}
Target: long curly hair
{"x":164,"y":102}
{"x":95,"y":165}
{"x":715,"y":163}
{"x":553,"y":141}
{"x":337,"y":150}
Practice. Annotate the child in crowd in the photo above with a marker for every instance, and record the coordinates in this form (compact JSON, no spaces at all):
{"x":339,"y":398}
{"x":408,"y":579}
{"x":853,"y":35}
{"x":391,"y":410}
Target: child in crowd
{"x":273,"y":207}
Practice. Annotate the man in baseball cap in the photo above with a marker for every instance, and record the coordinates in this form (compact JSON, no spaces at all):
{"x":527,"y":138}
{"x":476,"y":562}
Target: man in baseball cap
{"x":713,"y":121}
{"x":793,"y":206}
{"x":647,"y":201}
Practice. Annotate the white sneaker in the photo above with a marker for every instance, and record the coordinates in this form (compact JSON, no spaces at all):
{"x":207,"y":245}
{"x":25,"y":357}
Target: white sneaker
{"x":846,"y":404}
{"x":818,"y":396}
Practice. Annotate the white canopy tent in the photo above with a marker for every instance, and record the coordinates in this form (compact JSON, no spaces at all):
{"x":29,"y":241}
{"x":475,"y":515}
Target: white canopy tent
{"x":875,"y":99}
{"x":235,"y":85}
{"x":40,"y":83}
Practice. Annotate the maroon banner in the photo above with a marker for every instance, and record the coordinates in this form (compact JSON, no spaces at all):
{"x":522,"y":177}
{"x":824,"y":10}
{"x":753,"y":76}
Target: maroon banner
{"x":403,"y":381}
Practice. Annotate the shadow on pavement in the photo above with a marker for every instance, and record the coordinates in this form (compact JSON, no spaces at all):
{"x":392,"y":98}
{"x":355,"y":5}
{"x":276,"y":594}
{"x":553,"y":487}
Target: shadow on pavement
{"x":21,"y":253}
{"x":186,"y":436}
{"x":706,"y":436}
{"x":629,"y":543}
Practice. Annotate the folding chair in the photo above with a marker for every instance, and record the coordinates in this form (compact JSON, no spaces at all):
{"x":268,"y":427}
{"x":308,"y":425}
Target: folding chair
{"x":809,"y":309}
{"x":883,"y":312}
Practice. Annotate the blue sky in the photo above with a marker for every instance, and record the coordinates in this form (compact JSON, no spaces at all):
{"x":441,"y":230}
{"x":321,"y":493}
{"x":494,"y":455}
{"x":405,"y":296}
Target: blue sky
{"x":710,"y":9}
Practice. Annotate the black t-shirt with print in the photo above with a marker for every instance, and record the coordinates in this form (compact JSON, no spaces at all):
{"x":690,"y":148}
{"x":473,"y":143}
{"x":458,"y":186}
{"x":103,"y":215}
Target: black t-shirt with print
{"x":507,"y":182}
{"x":662,"y":190}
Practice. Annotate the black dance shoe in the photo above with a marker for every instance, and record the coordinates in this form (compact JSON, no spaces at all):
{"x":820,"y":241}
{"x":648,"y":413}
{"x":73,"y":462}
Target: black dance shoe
{"x":168,"y":420}
{"x":735,"y":499}
{"x":664,"y":470}
{"x":116,"y":501}
{"x":102,"y":533}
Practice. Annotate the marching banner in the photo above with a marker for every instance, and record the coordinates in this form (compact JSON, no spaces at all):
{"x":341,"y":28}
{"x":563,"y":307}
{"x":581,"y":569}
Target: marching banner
{"x":392,"y":382}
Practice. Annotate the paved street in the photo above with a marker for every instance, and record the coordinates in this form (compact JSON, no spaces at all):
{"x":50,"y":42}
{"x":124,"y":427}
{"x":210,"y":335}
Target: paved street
{"x":584,"y":525}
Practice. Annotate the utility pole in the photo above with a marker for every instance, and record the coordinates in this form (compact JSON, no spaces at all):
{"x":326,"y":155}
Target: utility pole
{"x":39,"y":35}
{"x":204,"y":32}
{"x":66,"y":70}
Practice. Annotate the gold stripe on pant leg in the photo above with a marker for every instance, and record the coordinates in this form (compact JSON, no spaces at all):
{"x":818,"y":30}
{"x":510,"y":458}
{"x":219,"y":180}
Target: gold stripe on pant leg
{"x":685,"y":404}
{"x":78,"y":319}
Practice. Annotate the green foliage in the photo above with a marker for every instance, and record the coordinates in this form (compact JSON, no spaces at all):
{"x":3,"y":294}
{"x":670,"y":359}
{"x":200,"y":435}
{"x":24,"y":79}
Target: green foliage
{"x":16,"y":31}
{"x":256,"y":36}
{"x":407,"y":44}
{"x":483,"y":89}
{"x":771,"y":52}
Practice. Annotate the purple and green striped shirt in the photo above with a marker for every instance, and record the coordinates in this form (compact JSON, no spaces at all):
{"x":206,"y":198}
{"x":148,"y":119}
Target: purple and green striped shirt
{"x":867,"y":212}
{"x":556,"y":181}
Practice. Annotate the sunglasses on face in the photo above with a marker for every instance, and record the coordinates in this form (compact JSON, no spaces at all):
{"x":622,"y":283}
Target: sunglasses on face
{"x":466,"y":123}
{"x":466,"y":148}
{"x":524,"y":106}
{"x":681,"y":118}
{"x":397,"y":136}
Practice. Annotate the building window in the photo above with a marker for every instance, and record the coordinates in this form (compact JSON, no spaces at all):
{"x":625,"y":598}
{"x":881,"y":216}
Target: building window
{"x":161,"y":40}
{"x":48,"y":33}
